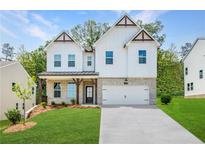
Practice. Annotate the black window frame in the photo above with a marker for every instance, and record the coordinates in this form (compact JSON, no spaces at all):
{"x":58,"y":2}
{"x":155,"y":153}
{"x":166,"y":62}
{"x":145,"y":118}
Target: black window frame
{"x":191,"y":86}
{"x":57,"y":63}
{"x":71,"y":63}
{"x":186,"y":70}
{"x":188,"y":87}
{"x":57,"y":91}
{"x":108,"y":58}
{"x":142,"y":58}
{"x":201,"y":74}
{"x":17,"y":106}
{"x":32,"y":90}
{"x":12,"y":86}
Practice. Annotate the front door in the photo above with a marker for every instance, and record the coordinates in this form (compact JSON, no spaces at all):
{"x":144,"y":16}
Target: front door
{"x":89,"y":94}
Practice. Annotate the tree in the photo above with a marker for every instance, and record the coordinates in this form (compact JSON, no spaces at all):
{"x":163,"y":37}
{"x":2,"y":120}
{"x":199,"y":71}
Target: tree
{"x":88,"y":33}
{"x":169,"y":73}
{"x":185,"y":49}
{"x":8,"y":51}
{"x":24,"y":93}
{"x":154,"y":28}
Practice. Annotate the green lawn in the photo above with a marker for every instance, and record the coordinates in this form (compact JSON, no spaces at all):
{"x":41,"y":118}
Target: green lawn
{"x":59,"y":126}
{"x":190,"y":113}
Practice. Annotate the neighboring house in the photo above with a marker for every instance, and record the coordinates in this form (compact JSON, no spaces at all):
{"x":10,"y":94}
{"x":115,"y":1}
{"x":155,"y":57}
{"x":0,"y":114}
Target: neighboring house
{"x":121,"y":70}
{"x":194,"y":70}
{"x":12,"y":72}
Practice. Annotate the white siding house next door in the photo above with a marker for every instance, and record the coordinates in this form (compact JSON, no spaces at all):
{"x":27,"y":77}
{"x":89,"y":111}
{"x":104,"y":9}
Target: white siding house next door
{"x":125,"y":95}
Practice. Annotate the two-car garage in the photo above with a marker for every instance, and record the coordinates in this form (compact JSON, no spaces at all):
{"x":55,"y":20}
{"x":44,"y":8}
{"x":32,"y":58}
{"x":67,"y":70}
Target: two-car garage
{"x":125,"y":94}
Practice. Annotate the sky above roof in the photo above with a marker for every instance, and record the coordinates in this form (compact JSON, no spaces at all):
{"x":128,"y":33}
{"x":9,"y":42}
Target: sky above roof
{"x":33,"y":28}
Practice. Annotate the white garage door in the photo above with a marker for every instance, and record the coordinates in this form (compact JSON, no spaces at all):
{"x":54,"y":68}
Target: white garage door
{"x":125,"y":95}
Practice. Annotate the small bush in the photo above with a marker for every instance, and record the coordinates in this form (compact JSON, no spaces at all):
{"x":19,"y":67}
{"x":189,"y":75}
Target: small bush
{"x":53,"y":103}
{"x":166,"y":99}
{"x":14,"y":116}
{"x":73,"y":101}
{"x":43,"y":104}
{"x":63,"y":103}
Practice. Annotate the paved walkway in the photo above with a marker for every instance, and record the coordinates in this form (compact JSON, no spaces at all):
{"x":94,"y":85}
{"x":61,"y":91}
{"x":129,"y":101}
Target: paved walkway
{"x":141,"y":124}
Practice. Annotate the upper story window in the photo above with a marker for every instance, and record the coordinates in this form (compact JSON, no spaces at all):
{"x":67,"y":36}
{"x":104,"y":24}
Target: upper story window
{"x":33,"y":90}
{"x":89,"y":61}
{"x":71,"y":60}
{"x":57,"y":60}
{"x":201,"y":75}
{"x":142,"y":57}
{"x":186,"y":71}
{"x":109,"y":57}
{"x":57,"y":89}
{"x":12,"y":87}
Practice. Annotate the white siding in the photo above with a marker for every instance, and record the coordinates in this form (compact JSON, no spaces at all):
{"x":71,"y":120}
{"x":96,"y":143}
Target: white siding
{"x":195,"y":61}
{"x":17,"y":74}
{"x":85,"y":59}
{"x":125,"y":60}
{"x":114,"y":41}
{"x":149,"y":69}
{"x":64,"y":49}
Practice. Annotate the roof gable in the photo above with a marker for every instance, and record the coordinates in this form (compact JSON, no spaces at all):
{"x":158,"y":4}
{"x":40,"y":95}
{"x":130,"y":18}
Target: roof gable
{"x":125,"y":21}
{"x":64,"y":37}
{"x":142,"y":35}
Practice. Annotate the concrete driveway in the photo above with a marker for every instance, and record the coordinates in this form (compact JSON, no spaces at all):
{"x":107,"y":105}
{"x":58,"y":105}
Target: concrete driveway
{"x":141,"y":124}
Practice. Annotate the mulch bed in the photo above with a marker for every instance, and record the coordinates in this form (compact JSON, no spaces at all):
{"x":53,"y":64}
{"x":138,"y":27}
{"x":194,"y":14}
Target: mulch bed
{"x":19,"y":127}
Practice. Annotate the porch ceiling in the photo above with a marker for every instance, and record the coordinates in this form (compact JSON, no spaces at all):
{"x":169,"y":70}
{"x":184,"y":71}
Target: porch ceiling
{"x":68,"y":75}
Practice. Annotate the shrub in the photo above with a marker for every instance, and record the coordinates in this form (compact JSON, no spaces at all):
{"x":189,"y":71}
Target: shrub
{"x":63,"y":103}
{"x":166,"y":99}
{"x":43,"y":104}
{"x":73,"y":101}
{"x":53,"y":103}
{"x":14,"y":116}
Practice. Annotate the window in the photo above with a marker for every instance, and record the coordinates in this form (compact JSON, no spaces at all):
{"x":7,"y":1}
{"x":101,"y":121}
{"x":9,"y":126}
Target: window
{"x":186,"y":71}
{"x":71,"y":60}
{"x":188,"y":87}
{"x":57,"y":60}
{"x":17,"y":106}
{"x":142,"y":56}
{"x":12,"y":86}
{"x":33,"y":90}
{"x":192,"y":86}
{"x":201,"y":74}
{"x":71,"y":90}
{"x":109,"y":57}
{"x":57,"y":90}
{"x":89,"y":61}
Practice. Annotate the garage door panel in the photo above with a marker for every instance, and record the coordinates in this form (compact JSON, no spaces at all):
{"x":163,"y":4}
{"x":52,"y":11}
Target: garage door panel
{"x":125,"y":95}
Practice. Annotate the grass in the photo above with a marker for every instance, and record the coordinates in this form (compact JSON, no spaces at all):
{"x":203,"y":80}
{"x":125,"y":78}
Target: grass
{"x":65,"y":125}
{"x":190,"y":113}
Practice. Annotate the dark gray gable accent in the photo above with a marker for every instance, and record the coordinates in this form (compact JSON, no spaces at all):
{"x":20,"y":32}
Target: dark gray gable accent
{"x":64,"y":35}
{"x":141,"y":37}
{"x":125,"y":23}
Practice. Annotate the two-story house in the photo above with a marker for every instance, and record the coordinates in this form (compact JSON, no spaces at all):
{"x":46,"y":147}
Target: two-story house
{"x":194,"y":70}
{"x":121,"y":70}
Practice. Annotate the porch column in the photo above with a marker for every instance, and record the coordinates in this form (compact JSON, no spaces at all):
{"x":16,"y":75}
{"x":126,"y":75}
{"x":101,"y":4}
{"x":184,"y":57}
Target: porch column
{"x":77,"y":82}
{"x":40,"y":90}
{"x":94,"y":81}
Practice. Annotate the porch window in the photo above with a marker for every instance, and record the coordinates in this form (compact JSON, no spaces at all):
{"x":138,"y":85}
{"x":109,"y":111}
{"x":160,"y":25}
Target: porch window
{"x":142,"y":56}
{"x":71,"y":90}
{"x":57,"y":60}
{"x":109,"y":57}
{"x":71,"y":60}
{"x":57,"y":89}
{"x":89,"y":61}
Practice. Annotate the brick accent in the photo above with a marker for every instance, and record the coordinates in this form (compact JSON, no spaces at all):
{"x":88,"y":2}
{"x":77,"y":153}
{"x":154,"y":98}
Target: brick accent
{"x":150,"y":82}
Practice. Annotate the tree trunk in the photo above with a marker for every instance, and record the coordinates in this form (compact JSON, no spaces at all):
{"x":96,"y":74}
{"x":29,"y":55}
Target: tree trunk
{"x":24,"y":111}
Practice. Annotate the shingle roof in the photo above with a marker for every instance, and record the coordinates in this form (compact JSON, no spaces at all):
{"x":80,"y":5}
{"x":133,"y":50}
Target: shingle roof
{"x":68,"y":73}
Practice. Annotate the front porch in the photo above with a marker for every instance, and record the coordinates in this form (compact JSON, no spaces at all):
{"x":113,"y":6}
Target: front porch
{"x":64,"y":87}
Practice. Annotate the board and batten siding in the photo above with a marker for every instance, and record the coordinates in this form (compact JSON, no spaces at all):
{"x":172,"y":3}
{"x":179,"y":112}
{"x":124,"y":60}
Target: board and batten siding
{"x":64,"y":49}
{"x":125,"y":60}
{"x":195,"y":61}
